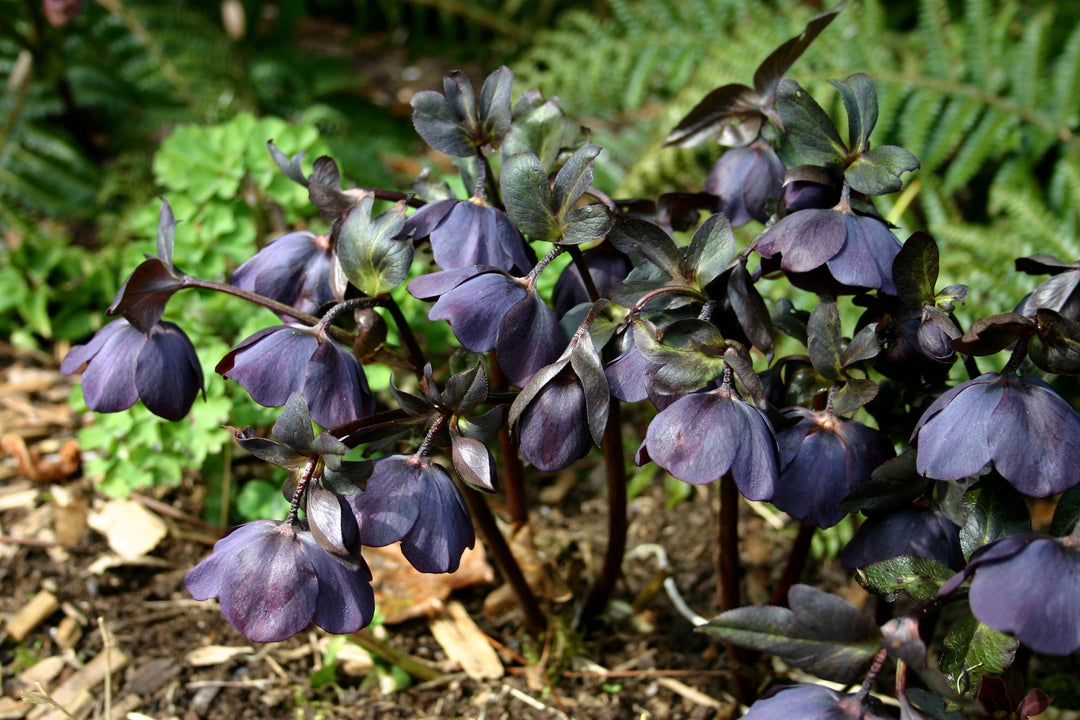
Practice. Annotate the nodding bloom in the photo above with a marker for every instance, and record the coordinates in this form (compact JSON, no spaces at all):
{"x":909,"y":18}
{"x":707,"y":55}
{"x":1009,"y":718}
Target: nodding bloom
{"x":1016,"y":422}
{"x":469,"y":232}
{"x":275,"y":362}
{"x":747,"y":179}
{"x":822,"y":459}
{"x":124,"y":364}
{"x":294,"y":269}
{"x":272,"y":580}
{"x":412,"y":499}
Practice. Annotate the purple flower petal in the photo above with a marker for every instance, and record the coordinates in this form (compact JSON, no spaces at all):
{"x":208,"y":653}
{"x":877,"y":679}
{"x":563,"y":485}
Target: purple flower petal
{"x":952,"y":443}
{"x":529,"y":337}
{"x":109,"y":379}
{"x":387,"y":510}
{"x":346,"y":600}
{"x":476,"y":308}
{"x":443,"y":529}
{"x":335,"y":387}
{"x":167,"y":375}
{"x":805,"y":239}
{"x":271,"y":364}
{"x":554,"y":432}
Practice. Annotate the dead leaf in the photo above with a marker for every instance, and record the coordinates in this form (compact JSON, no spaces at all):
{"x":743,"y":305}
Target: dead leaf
{"x":464,"y":642}
{"x":539,"y":572}
{"x":32,"y":465}
{"x":130,"y":529}
{"x":403,"y":593}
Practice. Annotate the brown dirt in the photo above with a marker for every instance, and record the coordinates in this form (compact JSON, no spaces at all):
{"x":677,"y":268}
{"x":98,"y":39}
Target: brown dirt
{"x":663,"y":668}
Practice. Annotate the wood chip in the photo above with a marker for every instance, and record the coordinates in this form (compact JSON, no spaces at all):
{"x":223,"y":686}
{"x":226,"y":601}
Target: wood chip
{"x":208,"y":655}
{"x":76,"y":693}
{"x":130,"y":529}
{"x":464,"y":643}
{"x":32,"y":614}
{"x":403,"y":593}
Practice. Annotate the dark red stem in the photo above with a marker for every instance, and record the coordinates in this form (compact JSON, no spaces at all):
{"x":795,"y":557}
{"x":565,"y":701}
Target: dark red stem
{"x":617,"y":523}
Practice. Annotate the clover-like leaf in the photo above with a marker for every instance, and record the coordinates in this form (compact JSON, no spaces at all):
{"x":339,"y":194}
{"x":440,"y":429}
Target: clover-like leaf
{"x":820,"y":633}
{"x":809,"y":127}
{"x":371,"y":256}
{"x":527,"y":194}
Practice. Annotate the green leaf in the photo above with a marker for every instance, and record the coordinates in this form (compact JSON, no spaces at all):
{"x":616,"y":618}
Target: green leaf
{"x":527,"y":195}
{"x":261,"y":499}
{"x":860,"y":102}
{"x":918,"y":578}
{"x":586,"y":224}
{"x":371,"y":257}
{"x":437,"y":124}
{"x":809,"y":128}
{"x":877,"y":172}
{"x":711,"y":250}
{"x":820,"y":633}
{"x":538,"y":128}
{"x":973,"y":650}
{"x":574,"y":178}
{"x":690,"y":355}
{"x":915,"y":270}
{"x":636,"y":237}
{"x":855,"y":393}
{"x":993,"y":509}
{"x":495,"y":111}
{"x":824,"y":339}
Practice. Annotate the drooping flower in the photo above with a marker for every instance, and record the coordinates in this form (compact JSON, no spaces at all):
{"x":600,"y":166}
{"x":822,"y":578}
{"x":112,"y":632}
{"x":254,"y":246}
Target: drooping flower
{"x":822,"y":459}
{"x":124,"y":364}
{"x":702,"y":436}
{"x":554,"y":428}
{"x":412,"y":499}
{"x":747,"y":179}
{"x":469,"y":232}
{"x":1017,"y":422}
{"x":1026,"y":585}
{"x":489,"y":310}
{"x":833,"y":251}
{"x":294,"y":269}
{"x":275,"y":362}
{"x":272,"y":580}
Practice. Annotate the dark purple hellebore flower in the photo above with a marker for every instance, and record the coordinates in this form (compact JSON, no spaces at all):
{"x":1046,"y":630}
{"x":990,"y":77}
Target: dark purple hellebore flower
{"x":917,"y":531}
{"x":411,"y":499}
{"x":272,"y":580}
{"x":607,"y":266}
{"x":468,"y":232}
{"x":833,"y":251}
{"x":822,"y":459}
{"x":124,"y":364}
{"x":274,"y":363}
{"x":554,"y":430}
{"x":702,"y":436}
{"x":747,"y":179}
{"x":808,"y":702}
{"x":1027,"y":586}
{"x":1015,"y":421}
{"x":490,"y":310}
{"x":294,"y":269}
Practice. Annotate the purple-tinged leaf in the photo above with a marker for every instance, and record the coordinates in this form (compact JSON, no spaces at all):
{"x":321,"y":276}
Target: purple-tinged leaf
{"x":585,"y":224}
{"x":711,"y":250}
{"x":824,"y":340}
{"x":860,"y":103}
{"x":820,"y":633}
{"x":808,"y":126}
{"x":573,"y":179}
{"x":987,"y":336}
{"x":437,"y":123}
{"x":292,"y":167}
{"x":878,"y":171}
{"x":640,"y":238}
{"x":528,"y":196}
{"x":293,"y":426}
{"x":915,"y":270}
{"x":371,"y":256}
{"x":472,"y":461}
{"x":143,"y":296}
{"x":495,"y":101}
{"x":166,"y":233}
{"x":780,"y":60}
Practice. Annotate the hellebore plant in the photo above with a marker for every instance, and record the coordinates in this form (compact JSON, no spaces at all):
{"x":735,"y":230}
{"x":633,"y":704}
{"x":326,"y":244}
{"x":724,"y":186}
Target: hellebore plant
{"x":663,"y":310}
